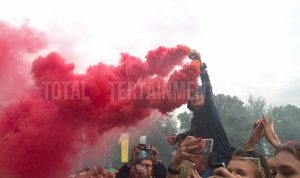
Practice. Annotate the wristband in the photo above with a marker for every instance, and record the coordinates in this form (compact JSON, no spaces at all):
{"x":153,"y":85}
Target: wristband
{"x":279,"y":145}
{"x":173,"y":171}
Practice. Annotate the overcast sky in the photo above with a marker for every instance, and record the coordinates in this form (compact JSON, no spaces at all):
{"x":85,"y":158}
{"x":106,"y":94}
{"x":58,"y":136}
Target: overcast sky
{"x":250,"y":47}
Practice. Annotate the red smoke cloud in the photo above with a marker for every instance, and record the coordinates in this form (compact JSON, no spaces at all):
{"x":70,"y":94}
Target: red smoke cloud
{"x":39,"y":134}
{"x":15,"y":45}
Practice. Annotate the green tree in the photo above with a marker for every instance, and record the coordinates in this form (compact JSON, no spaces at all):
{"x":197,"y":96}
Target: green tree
{"x":236,"y":119}
{"x":287,"y":121}
{"x":185,"y":120}
{"x":158,"y":137}
{"x":256,"y":106}
{"x":157,"y":129}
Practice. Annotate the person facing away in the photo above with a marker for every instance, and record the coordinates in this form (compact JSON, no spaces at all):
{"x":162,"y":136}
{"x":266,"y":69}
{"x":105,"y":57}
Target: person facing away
{"x":206,"y":122}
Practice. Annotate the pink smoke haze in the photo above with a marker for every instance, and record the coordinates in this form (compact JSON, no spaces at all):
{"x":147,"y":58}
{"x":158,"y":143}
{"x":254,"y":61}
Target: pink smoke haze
{"x":15,"y":45}
{"x":40,"y":133}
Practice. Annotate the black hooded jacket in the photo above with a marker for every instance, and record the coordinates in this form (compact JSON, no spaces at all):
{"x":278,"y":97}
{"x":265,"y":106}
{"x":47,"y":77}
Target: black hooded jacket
{"x":206,"y":123}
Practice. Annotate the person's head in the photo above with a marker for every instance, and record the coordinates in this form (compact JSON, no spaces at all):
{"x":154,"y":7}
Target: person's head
{"x":249,"y":164}
{"x":94,"y":174}
{"x":84,"y":171}
{"x":287,"y":161}
{"x":201,"y":163}
{"x":138,"y":171}
{"x":148,"y":165}
{"x":187,"y":169}
{"x":135,"y":152}
{"x":196,"y":100}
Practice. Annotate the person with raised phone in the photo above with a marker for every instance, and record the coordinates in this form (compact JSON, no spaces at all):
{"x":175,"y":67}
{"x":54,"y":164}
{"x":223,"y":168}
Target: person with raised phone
{"x":206,"y":122}
{"x":187,"y":152}
{"x":149,"y":157}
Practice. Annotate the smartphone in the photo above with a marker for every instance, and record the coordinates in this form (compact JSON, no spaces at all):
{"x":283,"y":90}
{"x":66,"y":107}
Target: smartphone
{"x":208,"y":146}
{"x":217,"y":165}
{"x":143,"y":141}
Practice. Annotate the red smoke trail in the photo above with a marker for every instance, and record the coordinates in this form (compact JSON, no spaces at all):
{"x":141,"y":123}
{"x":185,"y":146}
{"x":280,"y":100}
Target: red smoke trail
{"x":39,"y":134}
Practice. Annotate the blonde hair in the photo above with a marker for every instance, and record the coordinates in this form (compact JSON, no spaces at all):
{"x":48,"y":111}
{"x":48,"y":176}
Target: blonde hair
{"x":270,"y":162}
{"x":187,"y":170}
{"x":261,"y":166}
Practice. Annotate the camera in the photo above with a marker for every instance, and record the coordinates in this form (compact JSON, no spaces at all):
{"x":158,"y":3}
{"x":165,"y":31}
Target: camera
{"x":145,"y":147}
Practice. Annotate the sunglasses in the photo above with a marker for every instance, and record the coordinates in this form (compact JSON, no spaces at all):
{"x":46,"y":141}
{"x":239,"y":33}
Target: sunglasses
{"x":254,"y":160}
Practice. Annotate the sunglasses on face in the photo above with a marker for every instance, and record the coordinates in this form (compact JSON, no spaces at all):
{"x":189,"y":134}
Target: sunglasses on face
{"x":254,"y":160}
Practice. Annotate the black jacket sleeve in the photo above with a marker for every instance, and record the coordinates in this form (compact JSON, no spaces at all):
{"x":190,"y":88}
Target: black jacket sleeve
{"x":123,"y":172}
{"x":206,"y":85}
{"x":207,"y":94}
{"x":159,"y":170}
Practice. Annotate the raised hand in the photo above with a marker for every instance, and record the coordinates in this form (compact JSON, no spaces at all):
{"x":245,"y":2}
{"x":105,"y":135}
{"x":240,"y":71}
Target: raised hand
{"x":195,"y":55}
{"x":270,"y":133}
{"x":172,"y":140}
{"x":154,"y":155}
{"x":187,"y":150}
{"x":258,"y":131}
{"x":222,"y":173}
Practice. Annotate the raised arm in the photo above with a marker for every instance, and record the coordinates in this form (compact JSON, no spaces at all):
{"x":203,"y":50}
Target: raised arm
{"x":257,"y":133}
{"x":187,"y":151}
{"x":270,"y":133}
{"x":206,"y":85}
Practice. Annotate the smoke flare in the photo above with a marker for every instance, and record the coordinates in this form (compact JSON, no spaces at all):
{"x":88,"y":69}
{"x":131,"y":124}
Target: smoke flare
{"x":40,"y":134}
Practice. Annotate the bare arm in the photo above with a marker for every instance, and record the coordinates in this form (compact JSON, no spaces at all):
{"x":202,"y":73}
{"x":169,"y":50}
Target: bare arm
{"x":271,"y":135}
{"x":257,"y":133}
{"x":186,"y":151}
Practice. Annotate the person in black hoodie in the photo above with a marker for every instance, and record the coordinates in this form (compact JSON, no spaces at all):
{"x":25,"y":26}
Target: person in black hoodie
{"x":206,"y":122}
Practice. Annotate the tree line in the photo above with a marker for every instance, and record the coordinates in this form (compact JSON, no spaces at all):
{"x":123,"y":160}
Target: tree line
{"x":237,"y":117}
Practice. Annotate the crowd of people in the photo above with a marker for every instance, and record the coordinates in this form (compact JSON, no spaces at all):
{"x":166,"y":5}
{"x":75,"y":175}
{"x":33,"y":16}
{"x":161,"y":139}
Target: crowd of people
{"x":193,"y":160}
{"x":95,"y":172}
